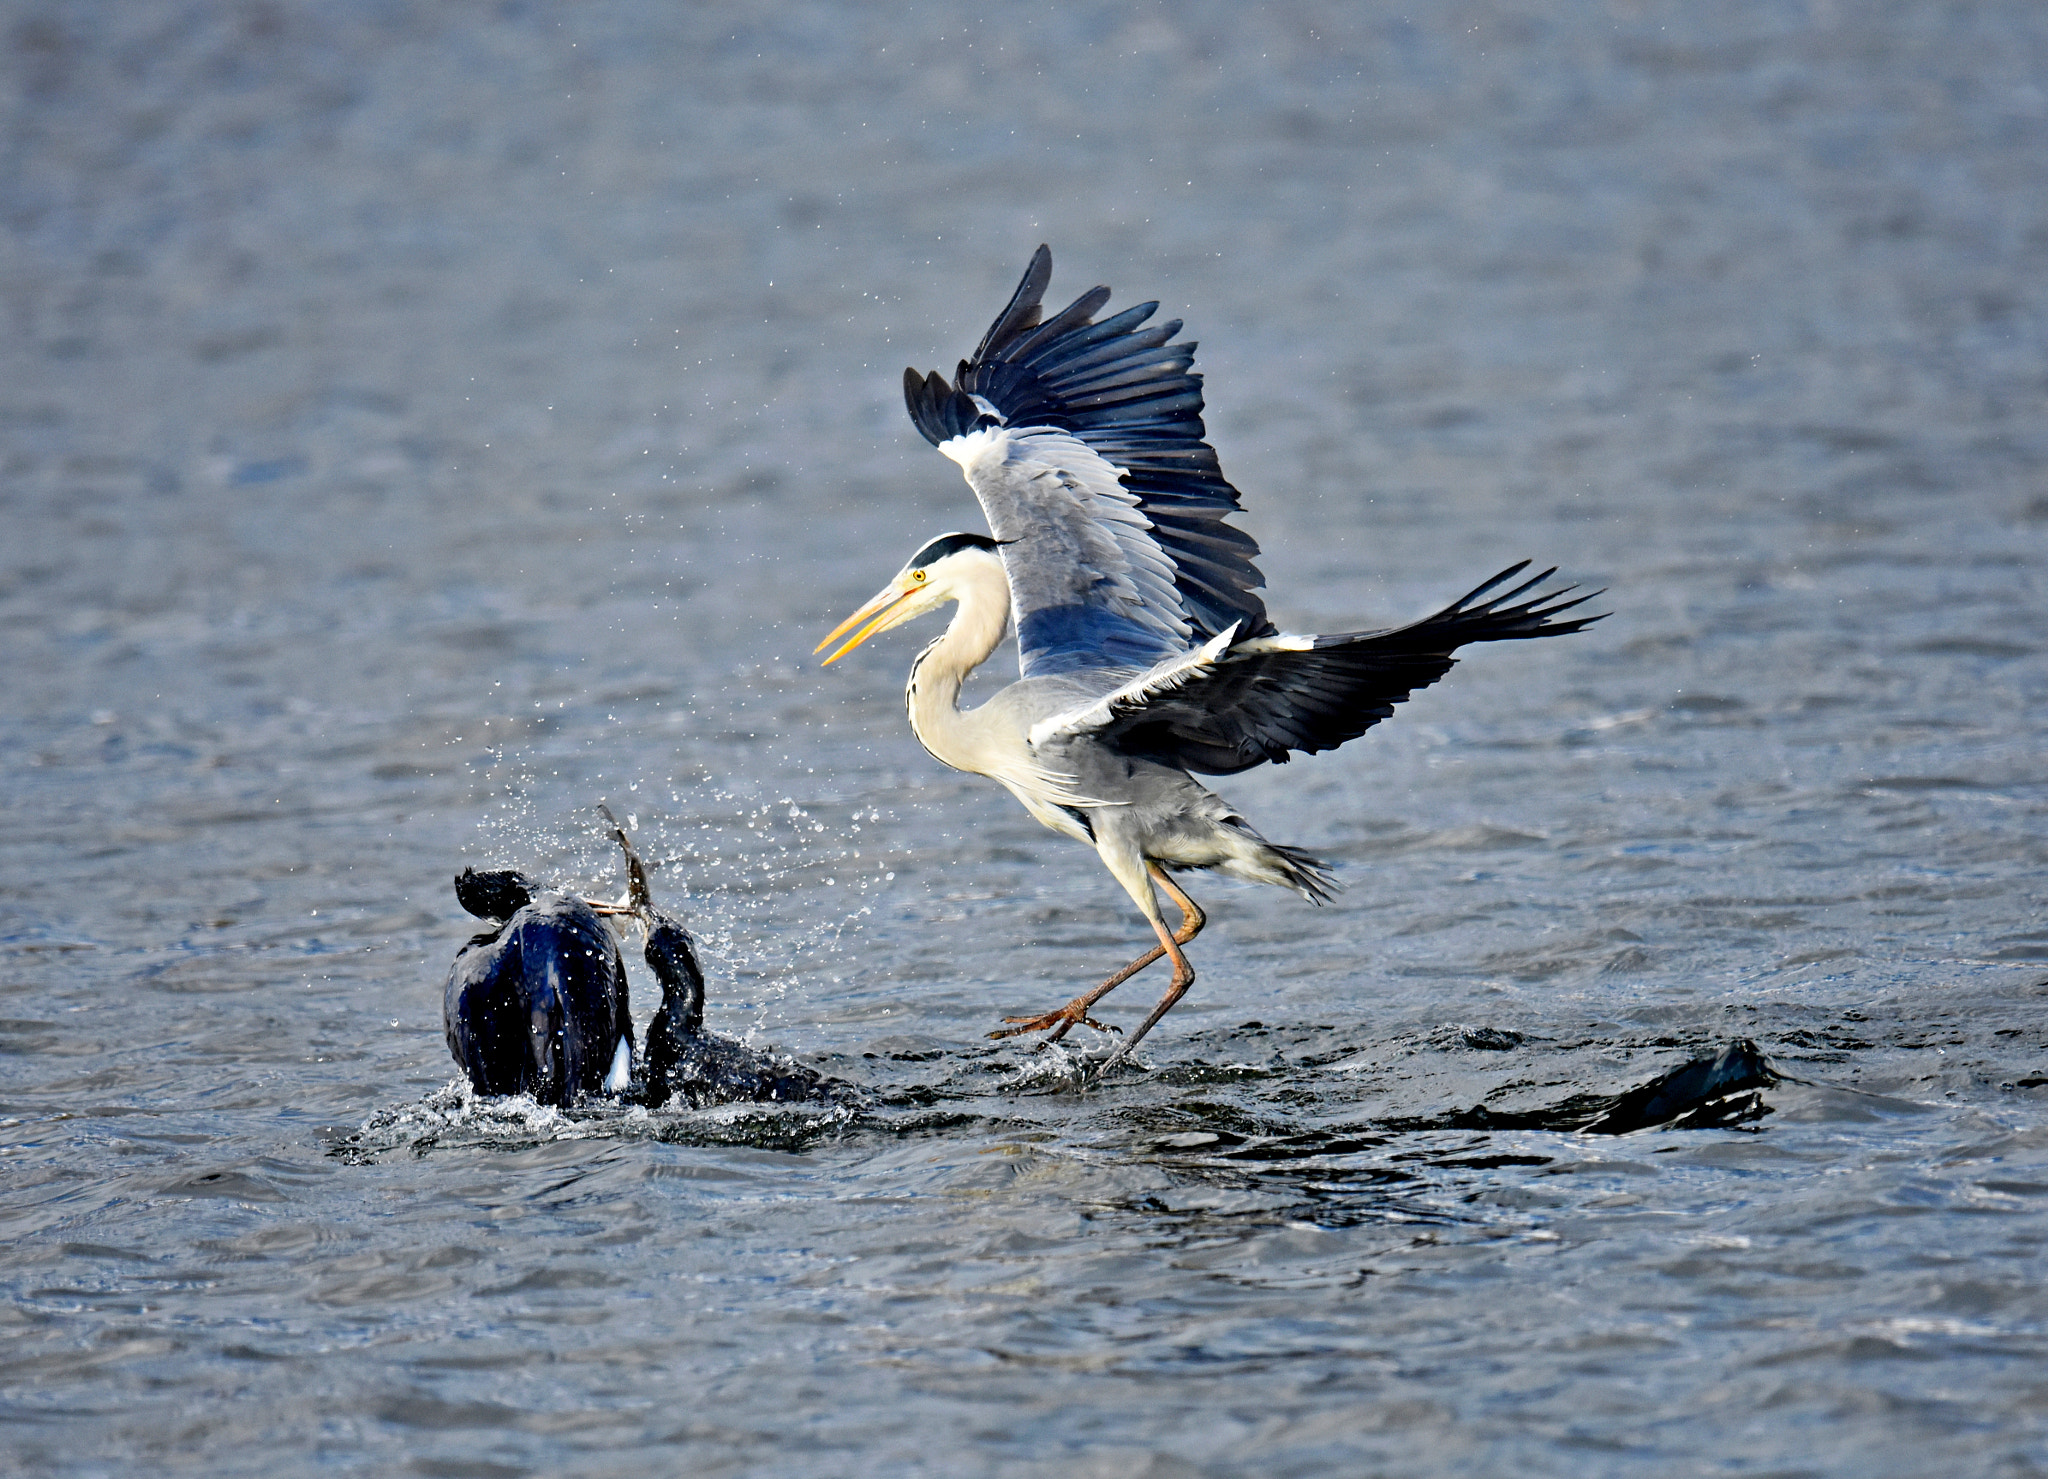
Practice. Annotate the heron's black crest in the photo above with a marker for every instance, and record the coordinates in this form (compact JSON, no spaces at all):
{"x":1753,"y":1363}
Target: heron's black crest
{"x":950,"y":544}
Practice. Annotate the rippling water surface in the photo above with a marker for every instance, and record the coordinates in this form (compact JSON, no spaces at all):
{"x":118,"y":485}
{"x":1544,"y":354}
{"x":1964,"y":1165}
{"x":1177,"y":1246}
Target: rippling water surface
{"x":422,"y":423}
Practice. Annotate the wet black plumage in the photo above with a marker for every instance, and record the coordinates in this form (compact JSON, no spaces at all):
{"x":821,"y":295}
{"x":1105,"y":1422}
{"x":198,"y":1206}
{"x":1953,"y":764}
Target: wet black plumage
{"x":537,"y":1005}
{"x":689,"y":1064}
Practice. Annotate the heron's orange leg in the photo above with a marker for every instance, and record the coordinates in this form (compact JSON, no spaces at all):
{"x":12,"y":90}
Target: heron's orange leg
{"x":1064,"y":1019}
{"x":1183,"y":977}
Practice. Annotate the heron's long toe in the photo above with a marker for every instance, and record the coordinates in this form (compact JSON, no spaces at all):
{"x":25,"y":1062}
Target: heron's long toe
{"x":1060,"y":1021}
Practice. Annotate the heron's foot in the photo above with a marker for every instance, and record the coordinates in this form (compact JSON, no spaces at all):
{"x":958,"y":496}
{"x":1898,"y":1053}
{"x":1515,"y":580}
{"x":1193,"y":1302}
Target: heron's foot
{"x":1059,"y":1022}
{"x":1121,"y":1055}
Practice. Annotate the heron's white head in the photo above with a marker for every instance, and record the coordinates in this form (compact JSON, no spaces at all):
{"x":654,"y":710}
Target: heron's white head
{"x":936,"y":574}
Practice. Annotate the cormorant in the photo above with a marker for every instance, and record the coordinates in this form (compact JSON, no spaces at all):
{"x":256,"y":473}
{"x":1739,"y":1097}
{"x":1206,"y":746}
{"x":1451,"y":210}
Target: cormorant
{"x":537,"y":1005}
{"x":686,"y":1062}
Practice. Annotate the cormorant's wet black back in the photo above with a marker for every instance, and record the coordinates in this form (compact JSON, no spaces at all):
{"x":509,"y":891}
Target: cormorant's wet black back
{"x":539,"y":1005}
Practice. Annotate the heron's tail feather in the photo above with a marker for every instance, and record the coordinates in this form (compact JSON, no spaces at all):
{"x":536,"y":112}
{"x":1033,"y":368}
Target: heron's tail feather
{"x":1308,"y":876}
{"x":1255,"y":860}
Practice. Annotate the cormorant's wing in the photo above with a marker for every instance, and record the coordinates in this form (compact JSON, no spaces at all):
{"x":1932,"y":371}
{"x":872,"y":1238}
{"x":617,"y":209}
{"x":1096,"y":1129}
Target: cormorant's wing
{"x":1231,"y":704}
{"x":1115,"y":502}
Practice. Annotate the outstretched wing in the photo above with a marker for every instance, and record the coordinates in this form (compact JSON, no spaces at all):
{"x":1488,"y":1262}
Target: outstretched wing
{"x":1233,"y":704}
{"x":1084,"y":443}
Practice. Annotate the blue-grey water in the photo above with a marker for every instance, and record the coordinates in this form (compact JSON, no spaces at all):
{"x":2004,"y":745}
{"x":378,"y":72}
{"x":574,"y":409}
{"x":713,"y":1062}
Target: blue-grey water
{"x":419,"y":423}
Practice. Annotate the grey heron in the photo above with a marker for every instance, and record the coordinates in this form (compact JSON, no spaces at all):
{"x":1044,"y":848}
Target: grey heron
{"x":1144,"y":652}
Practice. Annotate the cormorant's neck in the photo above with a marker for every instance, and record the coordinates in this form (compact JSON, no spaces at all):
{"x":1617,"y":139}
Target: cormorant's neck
{"x":685,"y":1010}
{"x":675,"y":966}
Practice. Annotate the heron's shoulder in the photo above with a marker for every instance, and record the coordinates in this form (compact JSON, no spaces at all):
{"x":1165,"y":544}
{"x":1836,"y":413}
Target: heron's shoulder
{"x":1052,"y":692}
{"x":1029,"y":702}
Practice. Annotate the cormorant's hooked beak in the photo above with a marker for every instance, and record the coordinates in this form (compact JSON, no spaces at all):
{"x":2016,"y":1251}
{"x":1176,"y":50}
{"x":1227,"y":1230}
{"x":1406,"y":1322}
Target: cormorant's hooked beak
{"x":881,"y":613}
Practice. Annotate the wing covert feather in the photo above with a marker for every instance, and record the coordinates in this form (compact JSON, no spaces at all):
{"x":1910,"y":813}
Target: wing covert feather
{"x":1089,"y":586}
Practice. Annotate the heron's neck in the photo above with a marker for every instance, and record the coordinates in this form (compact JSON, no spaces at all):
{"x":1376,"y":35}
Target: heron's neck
{"x":933,"y":696}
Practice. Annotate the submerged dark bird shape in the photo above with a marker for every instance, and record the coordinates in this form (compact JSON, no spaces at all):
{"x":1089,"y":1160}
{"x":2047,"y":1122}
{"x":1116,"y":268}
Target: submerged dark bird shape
{"x":1709,"y":1092}
{"x":537,"y":1005}
{"x":1146,"y":655}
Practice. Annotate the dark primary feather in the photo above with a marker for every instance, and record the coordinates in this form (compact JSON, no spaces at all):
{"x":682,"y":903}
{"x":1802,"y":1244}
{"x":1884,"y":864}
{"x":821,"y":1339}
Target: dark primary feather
{"x":1130,"y":395}
{"x":1250,"y":708}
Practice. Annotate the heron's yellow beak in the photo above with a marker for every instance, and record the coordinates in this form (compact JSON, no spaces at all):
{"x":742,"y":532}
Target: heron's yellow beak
{"x":877,"y":613}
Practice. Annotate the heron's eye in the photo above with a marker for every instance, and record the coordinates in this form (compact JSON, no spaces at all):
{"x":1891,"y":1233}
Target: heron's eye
{"x":917,"y":577}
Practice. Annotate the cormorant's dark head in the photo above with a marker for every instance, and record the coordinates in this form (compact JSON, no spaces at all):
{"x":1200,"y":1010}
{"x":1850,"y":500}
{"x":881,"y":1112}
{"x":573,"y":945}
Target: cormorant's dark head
{"x":494,"y":893}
